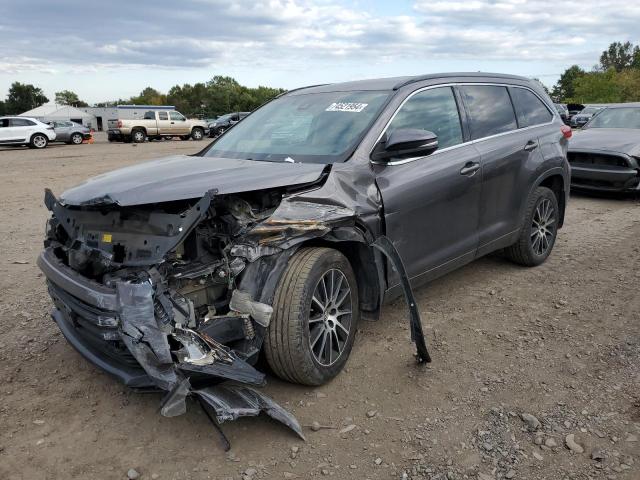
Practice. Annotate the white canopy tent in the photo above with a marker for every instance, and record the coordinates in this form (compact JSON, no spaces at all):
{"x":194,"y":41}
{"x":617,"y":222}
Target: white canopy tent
{"x":51,"y":112}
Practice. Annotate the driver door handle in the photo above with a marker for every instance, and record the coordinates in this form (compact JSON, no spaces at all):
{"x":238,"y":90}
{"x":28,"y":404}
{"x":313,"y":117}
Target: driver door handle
{"x":470,"y":168}
{"x":531,"y":145}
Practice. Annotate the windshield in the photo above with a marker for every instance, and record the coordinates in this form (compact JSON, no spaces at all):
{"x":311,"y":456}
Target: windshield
{"x":308,"y":128}
{"x":627,"y":117}
{"x":589,"y":111}
{"x":222,"y":118}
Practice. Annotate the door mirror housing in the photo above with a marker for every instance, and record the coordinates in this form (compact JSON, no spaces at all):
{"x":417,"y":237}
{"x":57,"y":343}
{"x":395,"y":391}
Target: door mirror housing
{"x":405,"y":143}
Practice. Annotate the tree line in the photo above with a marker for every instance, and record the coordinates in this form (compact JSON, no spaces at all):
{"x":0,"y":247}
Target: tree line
{"x":218,"y":96}
{"x":615,"y":79}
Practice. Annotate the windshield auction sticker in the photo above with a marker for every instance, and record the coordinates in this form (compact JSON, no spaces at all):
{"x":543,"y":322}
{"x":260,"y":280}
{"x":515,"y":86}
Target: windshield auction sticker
{"x":347,"y":107}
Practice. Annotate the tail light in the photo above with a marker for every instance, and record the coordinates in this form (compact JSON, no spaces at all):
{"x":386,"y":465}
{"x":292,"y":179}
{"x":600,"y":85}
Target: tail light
{"x":119,"y":123}
{"x":566,"y":131}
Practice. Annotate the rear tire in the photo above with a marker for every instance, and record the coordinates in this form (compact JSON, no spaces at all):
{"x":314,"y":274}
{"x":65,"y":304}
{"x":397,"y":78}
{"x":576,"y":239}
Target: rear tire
{"x":197,"y":134}
{"x":539,"y":230}
{"x":38,"y":140}
{"x":138,"y":136}
{"x":315,"y":305}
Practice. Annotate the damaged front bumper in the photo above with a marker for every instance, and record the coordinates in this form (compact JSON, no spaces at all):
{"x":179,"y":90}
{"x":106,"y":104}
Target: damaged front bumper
{"x":115,"y":328}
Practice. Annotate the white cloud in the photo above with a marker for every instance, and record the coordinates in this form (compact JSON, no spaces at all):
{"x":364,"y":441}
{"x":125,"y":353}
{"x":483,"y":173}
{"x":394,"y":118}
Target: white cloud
{"x":278,"y":33}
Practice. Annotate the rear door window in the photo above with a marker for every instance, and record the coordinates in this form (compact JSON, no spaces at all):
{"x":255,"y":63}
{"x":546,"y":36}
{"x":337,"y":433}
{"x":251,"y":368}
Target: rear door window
{"x":163,"y":116}
{"x":434,"y":110}
{"x":4,"y":123}
{"x":490,"y":110}
{"x":529,"y":108}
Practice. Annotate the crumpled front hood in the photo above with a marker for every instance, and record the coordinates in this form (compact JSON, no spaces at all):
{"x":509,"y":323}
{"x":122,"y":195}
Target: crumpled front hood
{"x":182,"y":177}
{"x":622,"y":140}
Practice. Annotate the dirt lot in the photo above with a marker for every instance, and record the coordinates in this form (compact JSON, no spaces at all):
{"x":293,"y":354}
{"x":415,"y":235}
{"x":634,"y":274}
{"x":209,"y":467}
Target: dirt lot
{"x":560,"y":342}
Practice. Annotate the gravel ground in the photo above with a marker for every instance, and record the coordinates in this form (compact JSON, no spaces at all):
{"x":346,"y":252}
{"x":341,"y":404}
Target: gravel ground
{"x":536,"y":372}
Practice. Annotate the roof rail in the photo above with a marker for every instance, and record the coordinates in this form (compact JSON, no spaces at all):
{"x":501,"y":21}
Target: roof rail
{"x":431,"y":76}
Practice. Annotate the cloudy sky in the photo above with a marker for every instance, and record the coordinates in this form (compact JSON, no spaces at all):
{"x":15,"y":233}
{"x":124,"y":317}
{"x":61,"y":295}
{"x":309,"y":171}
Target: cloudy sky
{"x":113,"y":49}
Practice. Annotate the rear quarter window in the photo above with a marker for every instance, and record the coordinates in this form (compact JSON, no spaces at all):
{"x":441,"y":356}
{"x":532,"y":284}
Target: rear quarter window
{"x":529,"y":108}
{"x":490,"y":110}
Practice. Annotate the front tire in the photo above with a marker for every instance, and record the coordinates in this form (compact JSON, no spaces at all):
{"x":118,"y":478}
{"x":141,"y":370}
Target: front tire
{"x":315,"y":316}
{"x":539,"y":231}
{"x":76,"y":139}
{"x":39,"y":141}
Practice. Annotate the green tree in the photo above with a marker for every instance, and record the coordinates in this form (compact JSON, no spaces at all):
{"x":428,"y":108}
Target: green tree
{"x":608,"y":87}
{"x":2,"y":108}
{"x":67,"y":97}
{"x":218,"y":96}
{"x":598,"y":87}
{"x":191,"y":100}
{"x":619,"y":56}
{"x":564,"y":89}
{"x":149,"y":96}
{"x":23,"y":97}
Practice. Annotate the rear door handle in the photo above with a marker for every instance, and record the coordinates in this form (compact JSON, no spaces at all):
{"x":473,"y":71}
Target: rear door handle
{"x":470,"y":168}
{"x":531,"y":145}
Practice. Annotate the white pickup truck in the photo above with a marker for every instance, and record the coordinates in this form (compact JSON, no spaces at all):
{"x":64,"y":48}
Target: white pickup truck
{"x":154,"y":125}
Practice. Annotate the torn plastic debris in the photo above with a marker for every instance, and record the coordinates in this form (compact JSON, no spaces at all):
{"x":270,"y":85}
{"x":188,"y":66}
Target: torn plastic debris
{"x":200,"y":357}
{"x":231,"y":401}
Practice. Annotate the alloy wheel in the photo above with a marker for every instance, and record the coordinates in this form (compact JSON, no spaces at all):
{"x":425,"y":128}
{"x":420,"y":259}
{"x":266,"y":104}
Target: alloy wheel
{"x":330,"y":317}
{"x":76,"y":139}
{"x":543,"y":227}
{"x":39,"y":141}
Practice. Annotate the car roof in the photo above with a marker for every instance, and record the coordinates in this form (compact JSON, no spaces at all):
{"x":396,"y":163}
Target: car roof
{"x":18,"y":116}
{"x":395,"y":83}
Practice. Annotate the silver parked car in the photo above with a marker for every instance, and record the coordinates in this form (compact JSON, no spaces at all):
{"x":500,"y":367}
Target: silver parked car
{"x":71,"y":132}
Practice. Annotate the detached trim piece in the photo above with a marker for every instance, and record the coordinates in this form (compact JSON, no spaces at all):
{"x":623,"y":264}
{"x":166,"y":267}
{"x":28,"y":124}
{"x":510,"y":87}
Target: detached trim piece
{"x":384,"y":245}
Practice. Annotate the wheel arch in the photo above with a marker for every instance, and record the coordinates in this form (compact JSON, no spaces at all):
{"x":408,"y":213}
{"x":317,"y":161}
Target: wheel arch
{"x":42,"y":134}
{"x":365,"y":264}
{"x":262,"y":276}
{"x":555,"y":181}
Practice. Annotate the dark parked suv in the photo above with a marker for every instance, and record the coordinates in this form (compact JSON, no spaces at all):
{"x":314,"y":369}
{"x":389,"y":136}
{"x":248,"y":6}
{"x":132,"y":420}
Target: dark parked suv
{"x":289,"y":227}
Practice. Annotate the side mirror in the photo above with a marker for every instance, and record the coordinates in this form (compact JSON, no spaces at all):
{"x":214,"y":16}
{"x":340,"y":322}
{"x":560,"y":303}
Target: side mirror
{"x":405,"y":143}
